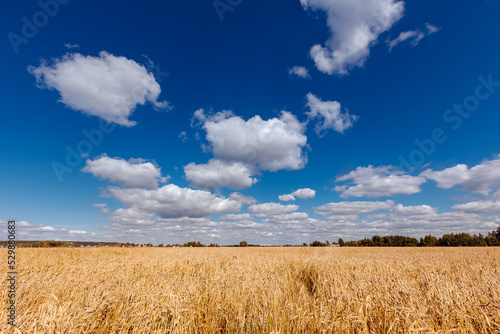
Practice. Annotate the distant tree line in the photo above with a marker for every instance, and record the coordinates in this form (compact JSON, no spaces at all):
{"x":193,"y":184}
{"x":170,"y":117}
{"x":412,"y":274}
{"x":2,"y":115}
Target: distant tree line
{"x":190,"y":244}
{"x":451,"y":240}
{"x":48,"y":243}
{"x":318,"y":244}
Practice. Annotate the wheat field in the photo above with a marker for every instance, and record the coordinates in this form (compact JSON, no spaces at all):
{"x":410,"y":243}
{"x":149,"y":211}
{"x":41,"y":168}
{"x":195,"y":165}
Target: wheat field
{"x":256,"y":290}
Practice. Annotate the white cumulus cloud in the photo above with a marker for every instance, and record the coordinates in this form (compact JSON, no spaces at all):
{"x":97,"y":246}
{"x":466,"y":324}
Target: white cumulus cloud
{"x":135,"y":173}
{"x":479,"y":207}
{"x":355,"y":26}
{"x":415,"y":210}
{"x":378,"y":182}
{"x":172,"y":201}
{"x":482,"y":178}
{"x":271,"y":209}
{"x":217,"y":173}
{"x":329,"y":115}
{"x":239,"y":197}
{"x":106,"y":86}
{"x":352,"y":208}
{"x":304,"y":193}
{"x":299,"y":71}
{"x":132,"y":217}
{"x":270,"y":145}
{"x":286,"y":198}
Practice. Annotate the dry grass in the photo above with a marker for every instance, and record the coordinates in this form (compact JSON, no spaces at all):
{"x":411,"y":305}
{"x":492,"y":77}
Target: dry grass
{"x":257,"y":290}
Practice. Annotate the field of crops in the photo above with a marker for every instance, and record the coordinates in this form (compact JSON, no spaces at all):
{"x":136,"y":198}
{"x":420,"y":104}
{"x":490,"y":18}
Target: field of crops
{"x":256,"y":290}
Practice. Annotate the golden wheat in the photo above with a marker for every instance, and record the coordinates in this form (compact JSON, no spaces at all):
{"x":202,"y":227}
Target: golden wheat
{"x":256,"y":290}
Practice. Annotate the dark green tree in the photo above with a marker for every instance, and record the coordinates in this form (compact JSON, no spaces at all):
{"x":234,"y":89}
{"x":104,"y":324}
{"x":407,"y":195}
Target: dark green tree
{"x":428,"y":241}
{"x":317,"y":244}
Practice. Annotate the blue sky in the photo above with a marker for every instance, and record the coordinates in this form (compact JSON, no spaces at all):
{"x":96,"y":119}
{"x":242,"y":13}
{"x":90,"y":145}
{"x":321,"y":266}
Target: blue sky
{"x":223,"y":121}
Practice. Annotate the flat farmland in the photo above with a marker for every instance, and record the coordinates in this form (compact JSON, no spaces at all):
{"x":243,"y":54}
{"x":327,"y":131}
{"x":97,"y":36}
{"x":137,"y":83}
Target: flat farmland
{"x":256,"y":290}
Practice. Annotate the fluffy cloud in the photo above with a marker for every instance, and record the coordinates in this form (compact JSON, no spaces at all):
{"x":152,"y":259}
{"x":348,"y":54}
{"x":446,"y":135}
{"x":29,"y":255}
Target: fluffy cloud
{"x":271,"y":209}
{"x":132,"y":217}
{"x":217,"y":173}
{"x":106,"y":86}
{"x":479,"y":207}
{"x":171,"y":201}
{"x":239,"y":197}
{"x":355,"y":26}
{"x":379,"y":182}
{"x":416,"y":210}
{"x":269,"y":145}
{"x":299,"y":71}
{"x":415,"y":36}
{"x":483,"y":178}
{"x":286,"y":198}
{"x":351,"y":208}
{"x":135,"y":173}
{"x":304,"y":193}
{"x":329,"y":115}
